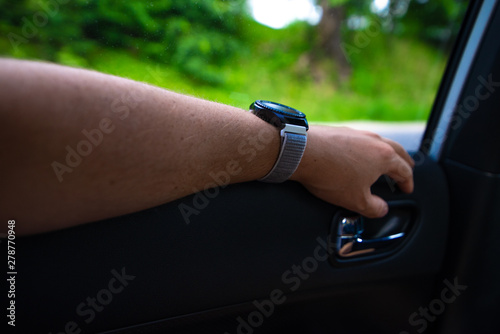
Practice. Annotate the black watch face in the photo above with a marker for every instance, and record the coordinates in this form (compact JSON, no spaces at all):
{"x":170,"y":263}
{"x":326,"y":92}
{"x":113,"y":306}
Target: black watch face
{"x":278,"y":114}
{"x":282,"y":108}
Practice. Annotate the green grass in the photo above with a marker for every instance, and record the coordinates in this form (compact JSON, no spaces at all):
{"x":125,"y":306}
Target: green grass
{"x":392,"y":79}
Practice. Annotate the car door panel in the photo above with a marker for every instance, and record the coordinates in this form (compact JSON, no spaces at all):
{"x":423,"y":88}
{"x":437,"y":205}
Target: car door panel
{"x":243,"y":244}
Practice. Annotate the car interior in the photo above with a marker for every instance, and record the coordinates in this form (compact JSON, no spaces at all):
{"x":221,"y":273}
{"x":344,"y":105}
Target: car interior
{"x":272,"y":258}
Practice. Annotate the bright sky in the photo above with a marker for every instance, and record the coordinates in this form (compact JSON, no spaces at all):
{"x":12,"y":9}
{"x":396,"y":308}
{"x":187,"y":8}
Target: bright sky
{"x":380,"y":4}
{"x":278,"y":14}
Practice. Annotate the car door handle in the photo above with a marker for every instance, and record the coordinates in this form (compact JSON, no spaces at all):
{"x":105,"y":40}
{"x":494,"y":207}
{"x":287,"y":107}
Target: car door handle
{"x":350,"y":240}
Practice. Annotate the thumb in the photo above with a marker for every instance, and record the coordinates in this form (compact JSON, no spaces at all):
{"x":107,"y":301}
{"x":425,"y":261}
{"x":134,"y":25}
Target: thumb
{"x":376,"y":207}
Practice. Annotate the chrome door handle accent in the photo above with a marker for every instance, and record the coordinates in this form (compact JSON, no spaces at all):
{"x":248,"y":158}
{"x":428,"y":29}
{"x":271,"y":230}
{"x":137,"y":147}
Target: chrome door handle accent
{"x":349,"y":240}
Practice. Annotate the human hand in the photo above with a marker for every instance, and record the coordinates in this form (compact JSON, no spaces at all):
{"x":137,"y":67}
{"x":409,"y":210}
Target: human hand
{"x":340,"y":165}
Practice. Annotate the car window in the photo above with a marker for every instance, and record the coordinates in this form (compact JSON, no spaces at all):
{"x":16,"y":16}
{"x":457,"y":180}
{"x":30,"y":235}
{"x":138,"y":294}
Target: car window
{"x":336,"y":60}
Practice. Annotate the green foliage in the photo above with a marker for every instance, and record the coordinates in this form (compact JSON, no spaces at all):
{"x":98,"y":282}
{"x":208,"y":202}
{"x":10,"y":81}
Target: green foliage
{"x":376,"y":90}
{"x":211,"y":49}
{"x":336,"y":3}
{"x":196,"y":36}
{"x":387,"y":82}
{"x":432,"y":21}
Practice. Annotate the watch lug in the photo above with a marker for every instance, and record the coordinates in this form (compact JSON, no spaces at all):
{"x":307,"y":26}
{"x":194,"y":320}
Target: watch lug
{"x":293,"y":129}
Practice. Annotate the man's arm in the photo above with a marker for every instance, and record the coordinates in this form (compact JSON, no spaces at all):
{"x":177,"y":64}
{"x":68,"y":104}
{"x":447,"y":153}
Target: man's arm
{"x":78,"y":146}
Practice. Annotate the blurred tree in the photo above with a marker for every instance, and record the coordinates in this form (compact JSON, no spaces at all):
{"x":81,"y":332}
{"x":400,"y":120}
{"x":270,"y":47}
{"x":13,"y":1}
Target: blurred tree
{"x":430,"y":21}
{"x":196,"y":36}
{"x":434,"y":22}
{"x":330,"y":34}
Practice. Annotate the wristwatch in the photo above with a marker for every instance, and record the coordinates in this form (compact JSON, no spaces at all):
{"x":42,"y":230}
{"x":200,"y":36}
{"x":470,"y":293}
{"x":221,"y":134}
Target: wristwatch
{"x":293,"y":131}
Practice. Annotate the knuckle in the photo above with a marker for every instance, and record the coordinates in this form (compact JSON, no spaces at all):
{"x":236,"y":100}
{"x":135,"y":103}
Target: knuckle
{"x":363,"y":205}
{"x":374,"y":135}
{"x":369,"y":134}
{"x":405,"y":170}
{"x":386,"y":152}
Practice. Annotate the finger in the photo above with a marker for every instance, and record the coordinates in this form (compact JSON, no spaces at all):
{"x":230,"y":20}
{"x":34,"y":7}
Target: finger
{"x":376,"y":207}
{"x":400,"y":151}
{"x":400,"y":171}
{"x":370,"y":134}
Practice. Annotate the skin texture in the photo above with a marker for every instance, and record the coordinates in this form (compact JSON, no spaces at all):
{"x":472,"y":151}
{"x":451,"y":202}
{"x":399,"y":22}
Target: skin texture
{"x":154,"y":146}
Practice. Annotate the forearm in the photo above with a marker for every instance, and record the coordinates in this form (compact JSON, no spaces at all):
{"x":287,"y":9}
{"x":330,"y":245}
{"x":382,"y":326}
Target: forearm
{"x":79,"y":146}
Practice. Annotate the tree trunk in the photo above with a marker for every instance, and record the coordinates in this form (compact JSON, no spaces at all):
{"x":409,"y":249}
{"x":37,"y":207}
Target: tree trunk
{"x":330,"y":37}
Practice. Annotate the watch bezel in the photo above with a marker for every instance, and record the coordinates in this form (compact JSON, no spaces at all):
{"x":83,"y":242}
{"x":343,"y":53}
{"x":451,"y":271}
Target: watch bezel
{"x":277,"y":117}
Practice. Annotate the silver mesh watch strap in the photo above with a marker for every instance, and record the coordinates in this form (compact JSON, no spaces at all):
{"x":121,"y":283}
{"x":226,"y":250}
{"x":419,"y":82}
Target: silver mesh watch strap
{"x":292,"y":149}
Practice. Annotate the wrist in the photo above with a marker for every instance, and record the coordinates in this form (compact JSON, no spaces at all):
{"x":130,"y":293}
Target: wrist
{"x":257,"y":150}
{"x":292,"y":127}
